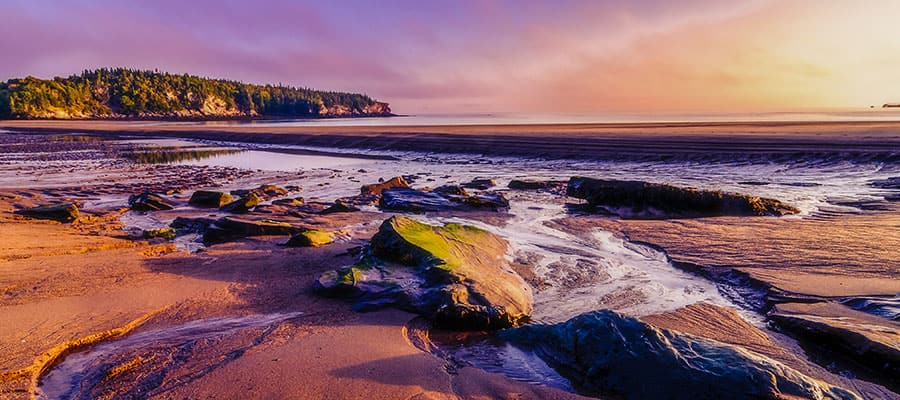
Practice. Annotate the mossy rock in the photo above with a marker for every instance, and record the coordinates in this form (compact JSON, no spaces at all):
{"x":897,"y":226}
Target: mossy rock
{"x":456,"y":275}
{"x":243,"y":205}
{"x":310,"y":238}
{"x":60,"y":212}
{"x":163,"y":233}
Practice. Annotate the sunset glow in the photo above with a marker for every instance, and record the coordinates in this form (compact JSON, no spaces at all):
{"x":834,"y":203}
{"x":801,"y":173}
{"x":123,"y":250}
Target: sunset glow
{"x":489,"y":56}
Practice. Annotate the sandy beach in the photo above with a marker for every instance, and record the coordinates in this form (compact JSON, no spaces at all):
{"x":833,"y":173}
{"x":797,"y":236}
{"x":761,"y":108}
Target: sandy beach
{"x":155,"y":318}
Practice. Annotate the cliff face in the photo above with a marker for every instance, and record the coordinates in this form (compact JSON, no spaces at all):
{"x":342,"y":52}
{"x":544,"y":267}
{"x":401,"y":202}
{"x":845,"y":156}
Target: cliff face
{"x":124,"y":93}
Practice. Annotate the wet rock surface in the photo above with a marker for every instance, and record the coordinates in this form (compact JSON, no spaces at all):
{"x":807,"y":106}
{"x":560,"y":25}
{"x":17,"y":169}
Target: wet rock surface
{"x":454,"y":275}
{"x":604,"y":353}
{"x":149,"y":202}
{"x":210,"y":199}
{"x":243,"y":205}
{"x":377,"y":188}
{"x":61,"y":212}
{"x":640,"y":199}
{"x":310,"y":238}
{"x":413,"y":200}
{"x":231,"y":228}
{"x":863,"y":338}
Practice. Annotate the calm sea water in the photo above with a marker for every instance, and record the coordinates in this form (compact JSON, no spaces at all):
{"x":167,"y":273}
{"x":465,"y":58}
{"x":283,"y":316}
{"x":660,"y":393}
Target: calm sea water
{"x":856,"y":114}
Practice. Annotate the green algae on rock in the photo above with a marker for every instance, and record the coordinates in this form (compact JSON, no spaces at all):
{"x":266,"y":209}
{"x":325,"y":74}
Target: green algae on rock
{"x":163,"y":233}
{"x":310,"y":238}
{"x":455,"y":275}
{"x":242,"y":205}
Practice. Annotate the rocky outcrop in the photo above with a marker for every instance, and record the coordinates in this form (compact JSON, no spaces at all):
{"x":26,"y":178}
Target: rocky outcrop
{"x":339,"y":207}
{"x":61,"y":212}
{"x":638,"y":199}
{"x":604,"y":353}
{"x":210,"y":199}
{"x":149,"y":202}
{"x":243,"y":205}
{"x":864,"y":338}
{"x":454,"y":275}
{"x":310,"y":238}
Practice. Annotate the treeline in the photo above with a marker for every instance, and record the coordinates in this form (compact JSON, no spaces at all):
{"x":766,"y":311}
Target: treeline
{"x":122,"y":92}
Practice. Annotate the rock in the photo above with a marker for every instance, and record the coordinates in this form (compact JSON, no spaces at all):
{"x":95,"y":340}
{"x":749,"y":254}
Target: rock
{"x":230,"y":228}
{"x":270,"y":191}
{"x":493,"y":201}
{"x":61,"y":212}
{"x":653,"y":200}
{"x":604,"y":353}
{"x":242,"y":205}
{"x":164,"y":233}
{"x":291,"y":202}
{"x":183,"y":225}
{"x":310,"y":238}
{"x":420,"y":201}
{"x":534,"y":185}
{"x":149,"y":202}
{"x":451,"y":190}
{"x":377,"y":188}
{"x":339,"y":207}
{"x":480,"y":184}
{"x":866,"y":339}
{"x":455,"y":275}
{"x":208,"y":198}
{"x":402,"y":199}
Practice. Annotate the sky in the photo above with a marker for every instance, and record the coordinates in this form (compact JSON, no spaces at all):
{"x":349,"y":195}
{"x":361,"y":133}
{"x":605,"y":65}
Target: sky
{"x":483,"y":56}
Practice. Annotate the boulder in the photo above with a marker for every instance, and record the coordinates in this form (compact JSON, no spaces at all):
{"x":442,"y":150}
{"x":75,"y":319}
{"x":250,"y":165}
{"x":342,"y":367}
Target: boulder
{"x":454,"y":275}
{"x":231,"y":228}
{"x":339,"y":207}
{"x":209,"y":198}
{"x":149,"y":202}
{"x":604,"y":353}
{"x":184,"y":225}
{"x":163,"y":233}
{"x":404,"y":199}
{"x":493,"y":201}
{"x":242,"y":205}
{"x":480,"y":184}
{"x":653,"y":200}
{"x":310,"y":238}
{"x":263,"y":191}
{"x":377,"y":188}
{"x":60,"y":212}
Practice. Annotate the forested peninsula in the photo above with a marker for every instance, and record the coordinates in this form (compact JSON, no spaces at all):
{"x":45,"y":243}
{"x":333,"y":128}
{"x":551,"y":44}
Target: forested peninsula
{"x":123,"y":93}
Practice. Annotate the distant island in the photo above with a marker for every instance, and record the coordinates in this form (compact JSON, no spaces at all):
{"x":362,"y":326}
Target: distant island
{"x":891,"y":105}
{"x":122,"y":93}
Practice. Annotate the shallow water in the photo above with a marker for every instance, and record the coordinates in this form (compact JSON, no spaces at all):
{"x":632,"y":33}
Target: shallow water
{"x":74,"y":377}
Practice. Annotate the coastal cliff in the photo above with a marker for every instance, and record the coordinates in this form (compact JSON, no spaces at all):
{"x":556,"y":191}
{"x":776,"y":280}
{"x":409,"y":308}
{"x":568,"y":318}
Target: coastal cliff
{"x":133,"y":94}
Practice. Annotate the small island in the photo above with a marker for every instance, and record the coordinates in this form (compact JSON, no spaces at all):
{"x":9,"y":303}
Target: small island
{"x":891,"y":105}
{"x":123,"y":93}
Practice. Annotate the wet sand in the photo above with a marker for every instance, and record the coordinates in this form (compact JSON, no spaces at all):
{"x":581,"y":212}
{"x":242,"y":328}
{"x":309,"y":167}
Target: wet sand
{"x":610,"y":141}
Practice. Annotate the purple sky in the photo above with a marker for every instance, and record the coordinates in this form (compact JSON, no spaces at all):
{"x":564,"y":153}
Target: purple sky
{"x":439,"y":56}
